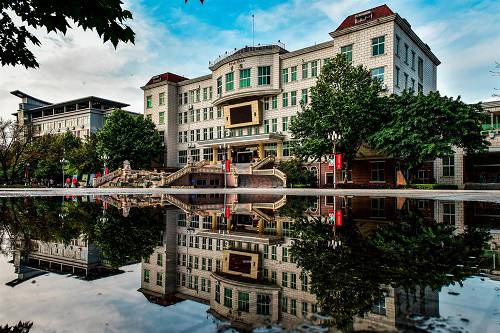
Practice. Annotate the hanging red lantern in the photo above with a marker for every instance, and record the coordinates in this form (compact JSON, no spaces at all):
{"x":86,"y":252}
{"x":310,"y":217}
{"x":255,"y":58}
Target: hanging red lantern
{"x":338,"y":218}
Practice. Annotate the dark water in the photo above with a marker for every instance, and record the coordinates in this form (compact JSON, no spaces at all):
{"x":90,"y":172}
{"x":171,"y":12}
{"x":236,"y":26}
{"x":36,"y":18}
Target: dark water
{"x":207,"y":263}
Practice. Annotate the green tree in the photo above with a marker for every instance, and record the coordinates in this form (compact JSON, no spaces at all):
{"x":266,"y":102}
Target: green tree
{"x":296,"y":173}
{"x":84,"y":159}
{"x":125,"y":137}
{"x":14,"y":144}
{"x":106,"y":17}
{"x":345,"y":100}
{"x":419,"y":128}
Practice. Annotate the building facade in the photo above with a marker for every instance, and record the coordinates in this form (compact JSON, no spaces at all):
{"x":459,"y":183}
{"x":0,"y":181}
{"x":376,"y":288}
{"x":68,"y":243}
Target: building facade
{"x":80,"y":116}
{"x":246,"y":103}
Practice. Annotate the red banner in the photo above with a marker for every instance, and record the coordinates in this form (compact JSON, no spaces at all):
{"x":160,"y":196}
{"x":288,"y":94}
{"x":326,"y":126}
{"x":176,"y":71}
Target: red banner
{"x":338,"y":161}
{"x":228,"y":212}
{"x":338,"y":218}
{"x":228,"y":165}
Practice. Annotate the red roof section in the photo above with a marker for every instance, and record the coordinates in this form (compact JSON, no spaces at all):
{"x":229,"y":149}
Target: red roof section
{"x":377,"y":12}
{"x":170,"y":77}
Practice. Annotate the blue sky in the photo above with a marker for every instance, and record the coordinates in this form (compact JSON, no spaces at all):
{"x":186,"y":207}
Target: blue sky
{"x":182,"y":38}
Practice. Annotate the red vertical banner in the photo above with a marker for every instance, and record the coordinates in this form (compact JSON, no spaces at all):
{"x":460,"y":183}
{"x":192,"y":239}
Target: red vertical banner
{"x":338,"y":161}
{"x":107,"y":171}
{"x":228,"y":212}
{"x":228,"y":165}
{"x":338,"y":218}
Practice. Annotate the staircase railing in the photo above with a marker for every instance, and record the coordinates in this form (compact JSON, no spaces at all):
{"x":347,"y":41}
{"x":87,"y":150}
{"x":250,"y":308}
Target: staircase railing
{"x":261,"y":163}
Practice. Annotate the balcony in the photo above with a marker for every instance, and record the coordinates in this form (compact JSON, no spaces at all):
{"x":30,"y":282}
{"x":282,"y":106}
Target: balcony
{"x":229,"y":55}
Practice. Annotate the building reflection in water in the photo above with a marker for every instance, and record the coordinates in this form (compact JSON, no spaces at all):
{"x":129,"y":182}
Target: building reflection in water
{"x":243,"y":268}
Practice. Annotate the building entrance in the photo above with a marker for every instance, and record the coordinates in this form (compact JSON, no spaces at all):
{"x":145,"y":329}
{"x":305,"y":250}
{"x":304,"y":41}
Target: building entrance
{"x":244,"y":156}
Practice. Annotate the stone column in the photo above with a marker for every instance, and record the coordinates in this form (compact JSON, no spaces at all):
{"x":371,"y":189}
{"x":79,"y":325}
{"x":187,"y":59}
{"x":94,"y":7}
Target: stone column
{"x":214,"y":221}
{"x":261,"y":151}
{"x":215,"y":151}
{"x":279,"y":151}
{"x":279,"y":227}
{"x":261,"y":226}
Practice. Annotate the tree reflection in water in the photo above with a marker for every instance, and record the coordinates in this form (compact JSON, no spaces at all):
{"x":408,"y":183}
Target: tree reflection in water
{"x":351,"y":270}
{"x":121,"y":239}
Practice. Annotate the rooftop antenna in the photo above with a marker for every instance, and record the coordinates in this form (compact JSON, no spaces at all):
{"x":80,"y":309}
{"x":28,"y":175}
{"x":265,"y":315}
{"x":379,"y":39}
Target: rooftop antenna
{"x":253,"y":30}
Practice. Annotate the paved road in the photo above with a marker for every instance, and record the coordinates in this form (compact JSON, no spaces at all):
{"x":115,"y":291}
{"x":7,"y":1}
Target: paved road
{"x":460,"y":195}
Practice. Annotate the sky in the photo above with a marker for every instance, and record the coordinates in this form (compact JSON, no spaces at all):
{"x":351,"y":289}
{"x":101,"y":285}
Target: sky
{"x":182,"y":38}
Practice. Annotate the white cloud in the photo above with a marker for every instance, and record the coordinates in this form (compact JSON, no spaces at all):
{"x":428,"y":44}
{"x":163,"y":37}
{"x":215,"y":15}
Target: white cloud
{"x":79,"y":64}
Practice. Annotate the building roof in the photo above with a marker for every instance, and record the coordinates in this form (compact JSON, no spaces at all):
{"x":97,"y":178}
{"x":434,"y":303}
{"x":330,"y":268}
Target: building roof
{"x":365,"y":16}
{"x":169,"y":77}
{"x":21,"y":94}
{"x":80,"y":100}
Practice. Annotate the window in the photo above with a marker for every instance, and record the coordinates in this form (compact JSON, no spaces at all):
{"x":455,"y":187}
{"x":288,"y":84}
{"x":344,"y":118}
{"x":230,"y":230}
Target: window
{"x":219,"y":86}
{"x":263,"y":304}
{"x":146,"y":275}
{"x":377,"y":207}
{"x":406,"y":53}
{"x":245,"y":78}
{"x":314,"y":68}
{"x":185,"y":98}
{"x":412,"y":59}
{"x":266,"y":103}
{"x":379,"y":306}
{"x":191,"y":115}
{"x":179,"y":137}
{"x":284,"y":75}
{"x":266,"y":251}
{"x":205,"y":93}
{"x":159,"y":279}
{"x":210,"y":92}
{"x":211,"y":113}
{"x":191,"y":96}
{"x":378,"y":45}
{"x":284,"y":101}
{"x":270,"y":149}
{"x":284,"y":279}
{"x":293,"y":98}
{"x":161,"y":118}
{"x":304,"y":70}
{"x":264,"y":75}
{"x":230,"y":81}
{"x":149,"y":101}
{"x":347,"y":51}
{"x":397,"y":76}
{"x":420,"y":68}
{"x":198,"y":114}
{"x":161,"y":98}
{"x":293,"y":73}
{"x":406,"y":80}
{"x":195,"y":155}
{"x":284,"y":254}
{"x":185,"y":117}
{"x":284,"y":123}
{"x":305,"y":281}
{"x":179,"y":118}
{"x":205,"y":134}
{"x":377,"y":171}
{"x":398,"y":41}
{"x":273,"y":252}
{"x":304,"y":309}
{"x":449,"y":213}
{"x":243,"y":302}
{"x":180,"y":99}
{"x":192,"y":135}
{"x":378,"y":73}
{"x":274,"y":125}
{"x":219,"y":112}
{"x":208,"y":153}
{"x":205,"y":113}
{"x":448,"y":166}
{"x":293,"y":306}
{"x":412,"y":86}
{"x":266,"y":126}
{"x":228,"y":297}
{"x":159,"y":259}
{"x":284,"y":304}
{"x":198,"y":135}
{"x":274,"y":102}
{"x":293,"y":281}
{"x":198,"y":95}
{"x":420,"y":88}
{"x":217,"y":292}
{"x":304,"y":96}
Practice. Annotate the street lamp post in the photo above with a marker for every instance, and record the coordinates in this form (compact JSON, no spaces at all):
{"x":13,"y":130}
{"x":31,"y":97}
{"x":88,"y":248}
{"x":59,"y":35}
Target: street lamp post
{"x":104,"y":157}
{"x":334,"y":137}
{"x":63,"y":161}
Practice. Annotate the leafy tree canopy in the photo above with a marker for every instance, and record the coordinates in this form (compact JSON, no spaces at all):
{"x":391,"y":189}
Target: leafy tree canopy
{"x":296,"y":173}
{"x":346,"y":101}
{"x":419,"y":128}
{"x":127,"y":137}
{"x":106,"y":17}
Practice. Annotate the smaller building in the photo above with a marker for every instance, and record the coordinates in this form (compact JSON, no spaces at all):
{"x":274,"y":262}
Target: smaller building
{"x":80,"y":116}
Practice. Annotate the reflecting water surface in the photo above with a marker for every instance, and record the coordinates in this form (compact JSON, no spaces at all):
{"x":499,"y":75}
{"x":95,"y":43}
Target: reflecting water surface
{"x":263,"y":263}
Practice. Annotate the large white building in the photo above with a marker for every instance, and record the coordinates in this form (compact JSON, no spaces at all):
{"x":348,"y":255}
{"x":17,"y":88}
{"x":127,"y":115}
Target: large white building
{"x":251,"y":95}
